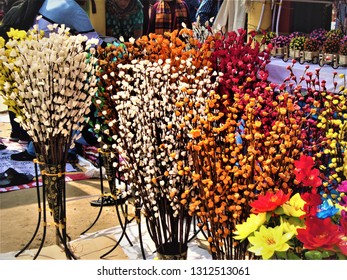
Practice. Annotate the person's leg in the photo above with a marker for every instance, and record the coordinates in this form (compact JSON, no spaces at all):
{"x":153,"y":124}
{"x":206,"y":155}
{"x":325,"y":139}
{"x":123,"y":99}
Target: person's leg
{"x":14,"y":127}
{"x":27,"y":155}
{"x":17,"y":132}
{"x":73,"y":152}
{"x":2,"y":145}
{"x":81,"y":140}
{"x":31,"y":149}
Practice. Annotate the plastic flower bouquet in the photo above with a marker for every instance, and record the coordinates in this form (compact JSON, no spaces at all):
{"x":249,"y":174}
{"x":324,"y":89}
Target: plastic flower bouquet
{"x":305,"y":225}
{"x":239,"y":62}
{"x":297,"y":43}
{"x":237,"y":151}
{"x":311,"y":45}
{"x":281,"y":41}
{"x":223,"y":201}
{"x":343,"y":46}
{"x":319,"y":34}
{"x":48,"y":81}
{"x":7,"y":82}
{"x":50,"y":106}
{"x":267,"y":37}
{"x":335,"y":33}
{"x":296,"y":34}
{"x":309,"y":221}
{"x":331,"y":45}
{"x":146,"y":87}
{"x":343,"y":51}
{"x":311,"y":49}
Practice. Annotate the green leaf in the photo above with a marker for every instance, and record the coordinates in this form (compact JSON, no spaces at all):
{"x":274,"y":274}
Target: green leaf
{"x":279,"y":211}
{"x":326,"y":254}
{"x":281,"y":255}
{"x":313,"y":255}
{"x":292,"y":256}
{"x":268,"y":216}
{"x":341,"y":256}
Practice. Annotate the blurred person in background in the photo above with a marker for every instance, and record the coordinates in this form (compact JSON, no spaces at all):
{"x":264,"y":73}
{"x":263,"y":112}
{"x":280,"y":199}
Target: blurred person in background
{"x":146,"y":7}
{"x":124,"y":18}
{"x":207,"y":11}
{"x":193,"y":6}
{"x":168,"y":15}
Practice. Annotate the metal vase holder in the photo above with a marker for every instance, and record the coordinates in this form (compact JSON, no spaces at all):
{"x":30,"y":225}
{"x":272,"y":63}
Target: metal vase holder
{"x":170,"y":246}
{"x":53,"y":189}
{"x":122,"y":209}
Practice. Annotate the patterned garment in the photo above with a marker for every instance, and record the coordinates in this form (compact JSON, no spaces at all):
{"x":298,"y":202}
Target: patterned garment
{"x":164,"y":21}
{"x":193,"y":6}
{"x":127,"y":22}
{"x":208,"y":9}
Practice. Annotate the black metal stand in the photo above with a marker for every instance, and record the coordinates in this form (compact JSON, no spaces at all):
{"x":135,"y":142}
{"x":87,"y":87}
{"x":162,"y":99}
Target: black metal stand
{"x":138,"y":220}
{"x":102,"y":193}
{"x":61,"y":233}
{"x":39,"y":217}
{"x":196,"y":231}
{"x":121,"y":209}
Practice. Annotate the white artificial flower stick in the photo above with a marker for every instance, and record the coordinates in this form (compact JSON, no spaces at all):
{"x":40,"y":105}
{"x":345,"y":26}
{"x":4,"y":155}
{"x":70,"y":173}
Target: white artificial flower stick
{"x":55,"y":81}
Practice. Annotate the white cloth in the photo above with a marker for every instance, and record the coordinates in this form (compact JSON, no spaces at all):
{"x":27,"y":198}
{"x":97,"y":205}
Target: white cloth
{"x":278,"y":72}
{"x":231,"y":15}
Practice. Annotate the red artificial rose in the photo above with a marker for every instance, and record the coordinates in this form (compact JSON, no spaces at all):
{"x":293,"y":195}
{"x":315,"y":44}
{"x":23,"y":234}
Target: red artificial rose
{"x":343,"y":223}
{"x":305,"y":173}
{"x":343,"y":247}
{"x":319,"y":234}
{"x":270,"y":201}
{"x":312,"y":201}
{"x":305,"y":162}
{"x":312,"y":179}
{"x":343,"y":233}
